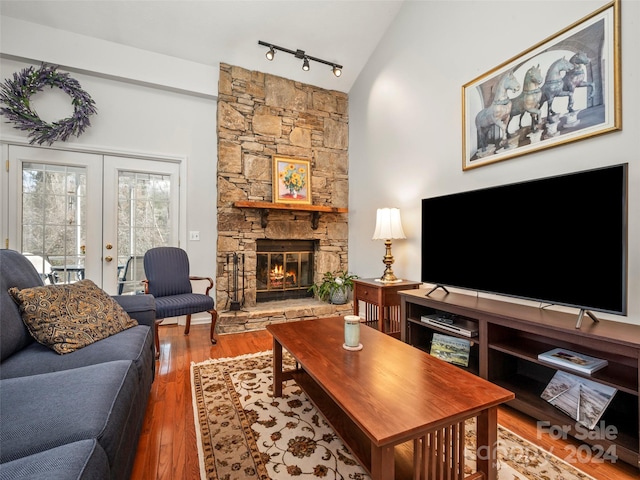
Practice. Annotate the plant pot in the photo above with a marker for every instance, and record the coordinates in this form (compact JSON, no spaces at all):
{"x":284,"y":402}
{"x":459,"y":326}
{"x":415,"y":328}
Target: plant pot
{"x":339,"y":296}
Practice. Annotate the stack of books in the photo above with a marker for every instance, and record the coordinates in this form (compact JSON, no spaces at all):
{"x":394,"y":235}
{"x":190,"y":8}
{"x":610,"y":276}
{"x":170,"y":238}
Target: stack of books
{"x":578,"y":362}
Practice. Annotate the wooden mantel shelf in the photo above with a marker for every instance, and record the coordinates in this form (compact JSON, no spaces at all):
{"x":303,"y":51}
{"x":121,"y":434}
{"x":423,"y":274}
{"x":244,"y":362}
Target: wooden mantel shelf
{"x":264,"y":208}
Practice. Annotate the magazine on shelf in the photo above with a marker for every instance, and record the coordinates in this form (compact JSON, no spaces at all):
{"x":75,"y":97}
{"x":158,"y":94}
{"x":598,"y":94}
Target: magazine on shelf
{"x":572,"y":360}
{"x":583,"y":400}
{"x":451,"y":349}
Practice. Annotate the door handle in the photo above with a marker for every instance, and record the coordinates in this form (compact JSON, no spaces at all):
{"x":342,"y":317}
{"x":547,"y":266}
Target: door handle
{"x":108,"y":258}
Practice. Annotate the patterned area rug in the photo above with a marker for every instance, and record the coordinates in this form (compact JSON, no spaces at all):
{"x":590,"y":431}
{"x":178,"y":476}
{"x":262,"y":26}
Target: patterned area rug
{"x":244,"y":433}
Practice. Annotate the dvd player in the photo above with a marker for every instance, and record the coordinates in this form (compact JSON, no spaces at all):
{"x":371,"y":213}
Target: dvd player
{"x":457,"y":325}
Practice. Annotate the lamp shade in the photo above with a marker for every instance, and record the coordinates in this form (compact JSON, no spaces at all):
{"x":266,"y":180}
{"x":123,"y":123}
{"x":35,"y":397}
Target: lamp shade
{"x":388,"y":224}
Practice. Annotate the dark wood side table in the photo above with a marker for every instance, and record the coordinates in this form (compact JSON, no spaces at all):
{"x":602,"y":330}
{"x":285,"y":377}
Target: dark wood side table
{"x":381,"y":303}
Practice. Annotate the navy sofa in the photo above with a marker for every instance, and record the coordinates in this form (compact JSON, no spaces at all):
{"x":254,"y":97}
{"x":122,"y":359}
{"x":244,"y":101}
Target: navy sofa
{"x":72,"y":416}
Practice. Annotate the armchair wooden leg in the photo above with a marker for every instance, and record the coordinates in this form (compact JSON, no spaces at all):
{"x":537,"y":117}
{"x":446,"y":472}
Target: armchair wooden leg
{"x":155,"y":327}
{"x":187,"y":326}
{"x":214,"y":319}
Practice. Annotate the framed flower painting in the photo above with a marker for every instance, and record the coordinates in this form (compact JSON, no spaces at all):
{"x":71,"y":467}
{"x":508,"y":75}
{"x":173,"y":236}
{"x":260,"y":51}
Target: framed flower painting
{"x":291,"y":180}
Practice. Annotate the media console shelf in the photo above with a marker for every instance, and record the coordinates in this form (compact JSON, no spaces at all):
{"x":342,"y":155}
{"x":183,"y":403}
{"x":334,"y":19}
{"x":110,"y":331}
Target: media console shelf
{"x":505,"y":352}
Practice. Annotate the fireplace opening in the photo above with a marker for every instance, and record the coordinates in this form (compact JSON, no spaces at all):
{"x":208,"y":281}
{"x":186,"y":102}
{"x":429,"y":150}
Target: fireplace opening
{"x":284,"y":269}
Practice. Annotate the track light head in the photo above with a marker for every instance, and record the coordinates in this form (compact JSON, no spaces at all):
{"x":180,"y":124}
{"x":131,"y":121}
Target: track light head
{"x":337,"y":70}
{"x":305,"y":64}
{"x":270,"y":54}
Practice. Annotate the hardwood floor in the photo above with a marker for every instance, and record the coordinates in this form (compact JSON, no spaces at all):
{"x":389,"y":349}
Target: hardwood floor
{"x":167,"y":447}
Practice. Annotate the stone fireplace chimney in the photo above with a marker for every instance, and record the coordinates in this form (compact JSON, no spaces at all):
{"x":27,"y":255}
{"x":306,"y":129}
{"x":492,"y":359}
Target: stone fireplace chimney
{"x":259,"y":116}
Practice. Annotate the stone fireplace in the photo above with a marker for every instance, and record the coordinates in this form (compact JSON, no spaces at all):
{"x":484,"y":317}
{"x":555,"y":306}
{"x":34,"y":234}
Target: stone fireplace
{"x":259,"y":116}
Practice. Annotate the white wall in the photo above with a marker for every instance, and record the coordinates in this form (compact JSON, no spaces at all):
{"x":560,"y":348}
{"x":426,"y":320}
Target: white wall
{"x":405,"y":119}
{"x":26,"y":40}
{"x":146,"y":116}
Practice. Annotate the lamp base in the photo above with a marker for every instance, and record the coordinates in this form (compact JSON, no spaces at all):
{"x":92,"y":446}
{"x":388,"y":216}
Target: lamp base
{"x":388,"y":275}
{"x":388,"y":281}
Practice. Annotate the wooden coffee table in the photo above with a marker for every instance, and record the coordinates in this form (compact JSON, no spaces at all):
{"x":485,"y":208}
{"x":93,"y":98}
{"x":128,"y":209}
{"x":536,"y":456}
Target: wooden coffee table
{"x":390,"y":402}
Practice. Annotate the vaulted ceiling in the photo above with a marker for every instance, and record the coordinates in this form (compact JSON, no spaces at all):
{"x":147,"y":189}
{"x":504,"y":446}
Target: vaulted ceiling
{"x":212,"y":31}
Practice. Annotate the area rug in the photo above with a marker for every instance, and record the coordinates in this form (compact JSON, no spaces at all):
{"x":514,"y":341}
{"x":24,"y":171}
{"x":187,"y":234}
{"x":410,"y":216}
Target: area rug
{"x":244,"y":433}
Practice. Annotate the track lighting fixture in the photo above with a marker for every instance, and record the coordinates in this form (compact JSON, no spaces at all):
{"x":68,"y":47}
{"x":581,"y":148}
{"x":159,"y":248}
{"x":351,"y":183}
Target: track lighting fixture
{"x":335,"y":68}
{"x":270,"y":54}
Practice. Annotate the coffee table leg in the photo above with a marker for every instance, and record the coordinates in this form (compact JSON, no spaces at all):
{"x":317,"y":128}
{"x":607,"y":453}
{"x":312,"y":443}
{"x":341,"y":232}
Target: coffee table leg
{"x":382,"y":462}
{"x":487,"y":443}
{"x":277,"y":369}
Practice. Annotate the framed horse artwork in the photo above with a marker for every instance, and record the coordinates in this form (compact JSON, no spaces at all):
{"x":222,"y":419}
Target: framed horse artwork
{"x":565,"y":88}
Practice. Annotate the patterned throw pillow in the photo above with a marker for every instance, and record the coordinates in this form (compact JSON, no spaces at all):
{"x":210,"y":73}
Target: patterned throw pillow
{"x":69,"y":317}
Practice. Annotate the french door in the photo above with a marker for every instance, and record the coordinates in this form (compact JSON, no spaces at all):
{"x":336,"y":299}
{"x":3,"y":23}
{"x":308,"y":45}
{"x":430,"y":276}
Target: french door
{"x":84,"y":215}
{"x":141,"y":209}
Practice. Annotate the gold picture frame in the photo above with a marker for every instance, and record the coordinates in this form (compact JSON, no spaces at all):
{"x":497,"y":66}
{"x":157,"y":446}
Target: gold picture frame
{"x":506,"y":113}
{"x":291,"y":180}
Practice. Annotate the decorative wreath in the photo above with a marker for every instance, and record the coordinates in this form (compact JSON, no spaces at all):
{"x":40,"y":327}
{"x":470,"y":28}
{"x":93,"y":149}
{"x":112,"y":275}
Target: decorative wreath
{"x":15,"y":94}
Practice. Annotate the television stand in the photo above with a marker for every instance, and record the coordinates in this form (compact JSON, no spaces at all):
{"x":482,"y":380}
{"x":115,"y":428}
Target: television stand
{"x":581,"y":314}
{"x":505,"y":352}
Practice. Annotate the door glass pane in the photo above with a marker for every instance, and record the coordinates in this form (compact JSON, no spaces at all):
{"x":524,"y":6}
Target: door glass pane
{"x":54,"y":220}
{"x":291,"y":270}
{"x":144,"y":221}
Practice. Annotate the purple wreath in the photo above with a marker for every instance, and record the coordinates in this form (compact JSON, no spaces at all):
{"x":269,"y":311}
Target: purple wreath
{"x":15,"y":94}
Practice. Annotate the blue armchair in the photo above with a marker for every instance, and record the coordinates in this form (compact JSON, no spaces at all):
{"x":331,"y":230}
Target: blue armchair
{"x":169,"y":281}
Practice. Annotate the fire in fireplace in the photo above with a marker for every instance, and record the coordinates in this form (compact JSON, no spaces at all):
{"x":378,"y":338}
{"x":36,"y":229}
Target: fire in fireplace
{"x":284,"y":269}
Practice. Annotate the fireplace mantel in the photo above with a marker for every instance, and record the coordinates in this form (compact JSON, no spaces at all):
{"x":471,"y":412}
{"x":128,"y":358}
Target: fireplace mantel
{"x":264,"y":208}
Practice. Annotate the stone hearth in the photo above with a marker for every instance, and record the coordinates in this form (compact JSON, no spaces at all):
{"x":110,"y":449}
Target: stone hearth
{"x":260,"y":116}
{"x":263,"y":314}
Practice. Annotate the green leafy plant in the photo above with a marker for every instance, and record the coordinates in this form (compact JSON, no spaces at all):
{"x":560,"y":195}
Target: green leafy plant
{"x":340,"y":281}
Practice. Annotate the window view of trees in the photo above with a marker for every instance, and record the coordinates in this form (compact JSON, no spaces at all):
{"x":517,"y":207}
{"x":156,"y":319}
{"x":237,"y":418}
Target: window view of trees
{"x":144,"y":221}
{"x":143,"y":212}
{"x":53,"y":216}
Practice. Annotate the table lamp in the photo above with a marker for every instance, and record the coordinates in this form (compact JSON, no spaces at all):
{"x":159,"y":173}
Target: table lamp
{"x":388,"y":227}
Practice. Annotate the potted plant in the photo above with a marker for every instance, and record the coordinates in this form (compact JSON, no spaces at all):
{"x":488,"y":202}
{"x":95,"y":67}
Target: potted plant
{"x":334,"y":287}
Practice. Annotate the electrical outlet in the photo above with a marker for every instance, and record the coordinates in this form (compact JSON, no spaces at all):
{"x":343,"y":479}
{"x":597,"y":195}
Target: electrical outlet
{"x":195,"y":236}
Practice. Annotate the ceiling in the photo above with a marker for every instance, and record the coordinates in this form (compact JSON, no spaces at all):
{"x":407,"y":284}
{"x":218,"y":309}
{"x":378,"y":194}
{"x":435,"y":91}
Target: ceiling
{"x":212,"y":31}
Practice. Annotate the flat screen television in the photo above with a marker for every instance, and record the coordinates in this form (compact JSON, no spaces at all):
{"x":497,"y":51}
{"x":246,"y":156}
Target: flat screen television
{"x":559,"y":240}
